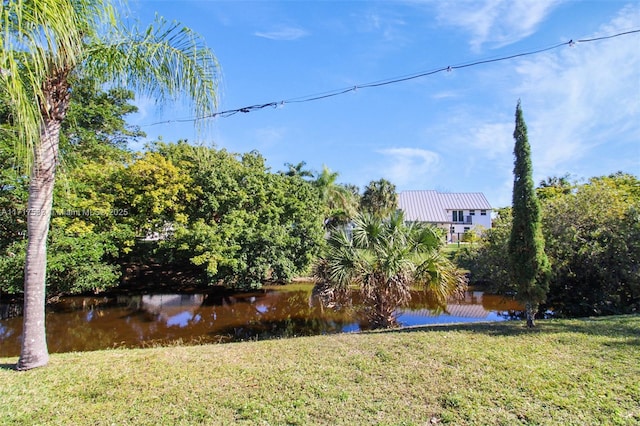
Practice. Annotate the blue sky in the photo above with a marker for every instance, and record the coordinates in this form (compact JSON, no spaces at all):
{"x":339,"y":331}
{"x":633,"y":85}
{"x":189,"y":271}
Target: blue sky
{"x":450,"y":131}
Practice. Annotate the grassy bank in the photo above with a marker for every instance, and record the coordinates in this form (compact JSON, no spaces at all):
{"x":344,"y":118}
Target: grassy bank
{"x":564,"y":372}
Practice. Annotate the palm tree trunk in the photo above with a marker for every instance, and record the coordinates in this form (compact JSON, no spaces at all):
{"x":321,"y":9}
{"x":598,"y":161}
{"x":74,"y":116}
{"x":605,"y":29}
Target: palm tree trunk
{"x":34,"y":352}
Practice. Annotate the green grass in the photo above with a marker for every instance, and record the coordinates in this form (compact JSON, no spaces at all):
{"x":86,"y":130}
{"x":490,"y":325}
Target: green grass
{"x":580,"y":372}
{"x":450,"y":250}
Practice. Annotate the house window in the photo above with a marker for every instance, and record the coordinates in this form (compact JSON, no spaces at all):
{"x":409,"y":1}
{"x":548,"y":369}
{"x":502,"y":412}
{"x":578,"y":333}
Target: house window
{"x":483,"y":212}
{"x":472,"y":212}
{"x":457,"y":216}
{"x":467,"y":229}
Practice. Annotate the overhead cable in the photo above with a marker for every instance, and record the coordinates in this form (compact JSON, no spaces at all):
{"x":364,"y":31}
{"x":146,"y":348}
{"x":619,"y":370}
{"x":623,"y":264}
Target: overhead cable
{"x":385,"y":82}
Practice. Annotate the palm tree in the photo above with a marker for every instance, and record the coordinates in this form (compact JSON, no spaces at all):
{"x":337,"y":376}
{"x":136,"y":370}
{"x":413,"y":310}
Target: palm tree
{"x":298,"y":170}
{"x":340,"y":203}
{"x":379,"y":198}
{"x":45,"y":45}
{"x":385,"y":259}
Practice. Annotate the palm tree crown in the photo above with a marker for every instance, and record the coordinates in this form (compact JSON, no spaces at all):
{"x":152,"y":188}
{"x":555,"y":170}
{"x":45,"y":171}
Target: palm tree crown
{"x":340,"y":203}
{"x":385,"y":259}
{"x":379,"y":198}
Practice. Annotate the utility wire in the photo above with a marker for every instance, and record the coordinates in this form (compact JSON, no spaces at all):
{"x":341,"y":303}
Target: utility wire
{"x":385,"y":82}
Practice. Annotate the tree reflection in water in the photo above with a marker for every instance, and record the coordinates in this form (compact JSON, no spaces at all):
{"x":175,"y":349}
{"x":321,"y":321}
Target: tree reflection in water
{"x":91,"y":323}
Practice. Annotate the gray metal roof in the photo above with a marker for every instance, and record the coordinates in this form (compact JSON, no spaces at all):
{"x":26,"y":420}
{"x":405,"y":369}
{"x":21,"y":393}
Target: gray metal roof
{"x":433,"y":206}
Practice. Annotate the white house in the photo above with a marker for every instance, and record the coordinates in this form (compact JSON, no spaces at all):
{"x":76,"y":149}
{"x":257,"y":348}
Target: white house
{"x":456,"y":212}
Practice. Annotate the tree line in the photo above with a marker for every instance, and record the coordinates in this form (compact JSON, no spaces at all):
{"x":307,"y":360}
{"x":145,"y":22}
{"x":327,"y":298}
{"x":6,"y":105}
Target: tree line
{"x":218,"y":217}
{"x":592,"y":240}
{"x":224,"y":217}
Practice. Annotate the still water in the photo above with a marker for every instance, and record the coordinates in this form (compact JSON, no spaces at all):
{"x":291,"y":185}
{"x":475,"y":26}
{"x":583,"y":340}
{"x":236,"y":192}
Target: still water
{"x":91,"y":323}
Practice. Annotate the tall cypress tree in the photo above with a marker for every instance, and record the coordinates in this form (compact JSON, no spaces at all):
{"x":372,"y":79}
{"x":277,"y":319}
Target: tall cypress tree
{"x":530,"y":267}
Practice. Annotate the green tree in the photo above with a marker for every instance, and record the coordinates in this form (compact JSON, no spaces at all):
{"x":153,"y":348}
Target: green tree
{"x":591,"y":237}
{"x":384,"y":258}
{"x":246,"y":225}
{"x":151,"y":194}
{"x":627,"y":184}
{"x":379,"y":198}
{"x":530,"y":267}
{"x":95,"y":127}
{"x":486,"y":260}
{"x":13,"y":189}
{"x":45,"y":43}
{"x":593,"y":240}
{"x":554,"y":186}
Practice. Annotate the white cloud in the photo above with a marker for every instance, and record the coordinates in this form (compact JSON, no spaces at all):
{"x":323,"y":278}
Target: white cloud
{"x":384,"y":24}
{"x":409,"y":166}
{"x":495,"y":22}
{"x":146,"y":107}
{"x":269,"y":135}
{"x":493,"y":140}
{"x":284,"y":33}
{"x":580,"y":98}
{"x":449,"y":94}
{"x":580,"y":103}
{"x":475,"y":145}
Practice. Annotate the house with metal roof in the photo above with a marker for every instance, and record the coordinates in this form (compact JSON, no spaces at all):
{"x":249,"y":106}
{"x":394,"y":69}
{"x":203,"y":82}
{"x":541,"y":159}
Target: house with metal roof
{"x":456,"y":212}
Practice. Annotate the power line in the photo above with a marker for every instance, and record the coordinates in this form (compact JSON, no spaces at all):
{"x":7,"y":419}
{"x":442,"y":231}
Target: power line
{"x":385,"y":82}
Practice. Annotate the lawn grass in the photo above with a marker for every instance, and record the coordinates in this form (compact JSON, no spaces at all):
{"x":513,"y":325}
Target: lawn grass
{"x":569,"y":372}
{"x":451,"y":249}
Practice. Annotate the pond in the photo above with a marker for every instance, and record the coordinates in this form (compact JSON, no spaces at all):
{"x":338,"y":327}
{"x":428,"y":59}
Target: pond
{"x":92,"y":323}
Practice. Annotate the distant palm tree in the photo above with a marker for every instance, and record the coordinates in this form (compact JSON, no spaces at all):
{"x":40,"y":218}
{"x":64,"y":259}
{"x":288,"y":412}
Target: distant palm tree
{"x":385,"y":259}
{"x":45,"y":44}
{"x":298,"y":170}
{"x":340,"y":202}
{"x":379,"y":198}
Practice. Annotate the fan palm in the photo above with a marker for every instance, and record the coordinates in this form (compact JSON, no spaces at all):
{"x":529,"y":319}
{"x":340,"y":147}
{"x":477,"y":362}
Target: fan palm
{"x":385,"y":259}
{"x":45,"y":44}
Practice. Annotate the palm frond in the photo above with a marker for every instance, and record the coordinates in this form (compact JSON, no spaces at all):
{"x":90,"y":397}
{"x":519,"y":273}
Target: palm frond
{"x":440,"y":278}
{"x":368,"y":231}
{"x":166,"y":62}
{"x":425,"y":238}
{"x":339,"y":239}
{"x":41,"y":39}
